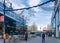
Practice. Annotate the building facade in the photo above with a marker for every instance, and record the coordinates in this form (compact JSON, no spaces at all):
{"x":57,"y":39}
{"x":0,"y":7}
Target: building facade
{"x":32,"y":28}
{"x":11,"y":20}
{"x":55,"y":19}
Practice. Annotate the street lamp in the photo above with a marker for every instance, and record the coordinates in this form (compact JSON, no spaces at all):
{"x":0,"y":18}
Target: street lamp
{"x":4,"y":20}
{"x":4,"y":34}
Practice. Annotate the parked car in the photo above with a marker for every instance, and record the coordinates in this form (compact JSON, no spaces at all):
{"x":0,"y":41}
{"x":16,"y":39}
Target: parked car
{"x":38,"y":34}
{"x":33,"y":34}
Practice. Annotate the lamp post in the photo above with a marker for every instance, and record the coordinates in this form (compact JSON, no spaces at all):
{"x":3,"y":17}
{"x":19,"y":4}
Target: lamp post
{"x":4,"y":20}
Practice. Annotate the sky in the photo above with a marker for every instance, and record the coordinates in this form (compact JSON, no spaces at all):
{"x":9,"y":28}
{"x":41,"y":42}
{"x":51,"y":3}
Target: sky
{"x":42,"y":15}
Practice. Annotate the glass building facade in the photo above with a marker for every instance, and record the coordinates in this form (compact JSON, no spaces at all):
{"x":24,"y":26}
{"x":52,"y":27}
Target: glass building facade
{"x":11,"y":20}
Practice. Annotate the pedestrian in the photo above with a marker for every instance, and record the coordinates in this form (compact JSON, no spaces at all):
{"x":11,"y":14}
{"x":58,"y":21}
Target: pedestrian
{"x":26,"y":36}
{"x":43,"y":38}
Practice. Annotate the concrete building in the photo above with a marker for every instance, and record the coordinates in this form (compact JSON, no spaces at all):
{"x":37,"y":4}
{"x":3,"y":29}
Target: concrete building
{"x":48,"y":27}
{"x":32,"y":28}
{"x":55,"y":19}
{"x":44,"y":29}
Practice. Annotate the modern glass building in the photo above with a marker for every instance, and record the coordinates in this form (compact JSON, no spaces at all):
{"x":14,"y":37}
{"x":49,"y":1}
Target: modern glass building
{"x":55,"y":19}
{"x":11,"y":20}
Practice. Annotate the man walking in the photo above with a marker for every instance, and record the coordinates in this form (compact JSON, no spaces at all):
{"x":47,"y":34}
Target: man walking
{"x":43,"y":38}
{"x":26,"y":36}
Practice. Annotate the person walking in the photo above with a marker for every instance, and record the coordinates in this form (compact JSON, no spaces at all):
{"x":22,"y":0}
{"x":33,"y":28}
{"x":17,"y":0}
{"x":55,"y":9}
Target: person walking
{"x":43,"y":38}
{"x":26,"y":36}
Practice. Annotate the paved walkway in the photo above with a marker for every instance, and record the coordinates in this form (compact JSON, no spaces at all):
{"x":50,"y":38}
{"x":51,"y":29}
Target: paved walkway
{"x":38,"y":40}
{"x":50,"y":40}
{"x":35,"y":40}
{"x":1,"y":40}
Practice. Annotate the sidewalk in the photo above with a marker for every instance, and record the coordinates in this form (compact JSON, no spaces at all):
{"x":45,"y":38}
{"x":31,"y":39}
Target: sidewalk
{"x":36,"y":40}
{"x":30,"y":40}
{"x":14,"y":40}
{"x":57,"y":39}
{"x":50,"y":40}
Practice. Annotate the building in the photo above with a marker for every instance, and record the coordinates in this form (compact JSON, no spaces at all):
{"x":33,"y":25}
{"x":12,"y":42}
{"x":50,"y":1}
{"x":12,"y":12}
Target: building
{"x":55,"y":19}
{"x":11,"y":20}
{"x":44,"y":28}
{"x":48,"y":27}
{"x":32,"y":28}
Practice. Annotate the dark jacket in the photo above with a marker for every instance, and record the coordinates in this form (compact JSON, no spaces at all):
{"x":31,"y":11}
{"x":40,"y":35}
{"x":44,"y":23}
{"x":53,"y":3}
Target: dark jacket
{"x":43,"y":35}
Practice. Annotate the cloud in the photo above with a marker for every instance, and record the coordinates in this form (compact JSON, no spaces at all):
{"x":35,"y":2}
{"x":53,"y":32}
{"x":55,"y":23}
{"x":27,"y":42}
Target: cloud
{"x":51,"y":4}
{"x":15,"y":5}
{"x":36,"y":9}
{"x":33,"y":2}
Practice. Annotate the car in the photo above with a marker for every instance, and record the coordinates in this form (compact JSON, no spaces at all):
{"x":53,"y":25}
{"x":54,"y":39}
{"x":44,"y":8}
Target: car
{"x":33,"y":34}
{"x":38,"y":34}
